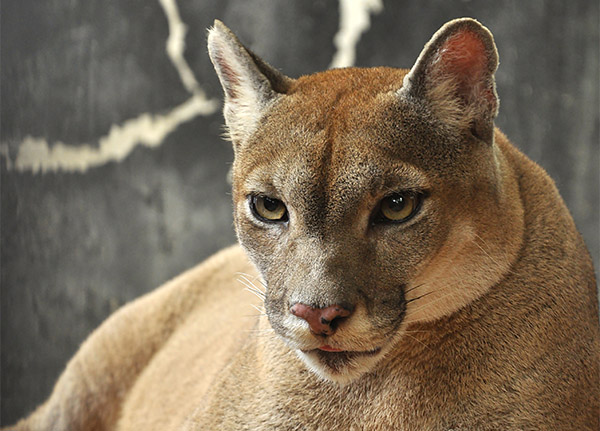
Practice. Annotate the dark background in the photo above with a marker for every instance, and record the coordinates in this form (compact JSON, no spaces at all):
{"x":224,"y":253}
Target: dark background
{"x":75,"y":245}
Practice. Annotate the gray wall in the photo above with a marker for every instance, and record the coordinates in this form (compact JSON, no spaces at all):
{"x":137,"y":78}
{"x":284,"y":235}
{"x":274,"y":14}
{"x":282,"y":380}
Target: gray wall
{"x":85,"y":231}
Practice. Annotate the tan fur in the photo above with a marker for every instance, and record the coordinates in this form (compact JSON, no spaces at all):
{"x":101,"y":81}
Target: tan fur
{"x":483,"y":306}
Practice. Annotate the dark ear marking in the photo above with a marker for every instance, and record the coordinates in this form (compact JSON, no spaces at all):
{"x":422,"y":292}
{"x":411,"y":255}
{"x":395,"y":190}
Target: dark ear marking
{"x":279,"y":82}
{"x":454,"y":74}
{"x":249,"y":83}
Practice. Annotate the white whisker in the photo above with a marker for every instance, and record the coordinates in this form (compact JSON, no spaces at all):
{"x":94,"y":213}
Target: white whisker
{"x":255,"y":293}
{"x":260,"y":332}
{"x":488,"y":255}
{"x":260,"y":310}
{"x":410,"y":322}
{"x":252,"y":288}
{"x":251,"y":279}
{"x":417,"y":340}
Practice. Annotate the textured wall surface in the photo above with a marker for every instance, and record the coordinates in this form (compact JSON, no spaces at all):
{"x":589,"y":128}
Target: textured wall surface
{"x":113,"y":171}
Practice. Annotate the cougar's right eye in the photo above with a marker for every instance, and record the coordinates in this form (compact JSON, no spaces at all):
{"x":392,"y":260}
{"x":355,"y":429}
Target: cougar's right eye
{"x":398,"y":207}
{"x":268,"y":209}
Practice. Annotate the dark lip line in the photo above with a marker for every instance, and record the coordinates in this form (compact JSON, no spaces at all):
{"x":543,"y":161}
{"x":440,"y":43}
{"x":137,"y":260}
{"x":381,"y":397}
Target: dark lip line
{"x":344,"y":352}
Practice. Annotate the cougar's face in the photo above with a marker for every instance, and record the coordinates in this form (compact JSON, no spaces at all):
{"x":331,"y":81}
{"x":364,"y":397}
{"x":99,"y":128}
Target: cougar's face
{"x":341,"y":214}
{"x":370,"y":199}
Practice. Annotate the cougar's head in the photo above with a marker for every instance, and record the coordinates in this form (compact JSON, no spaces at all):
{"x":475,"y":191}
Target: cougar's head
{"x":369,"y":199}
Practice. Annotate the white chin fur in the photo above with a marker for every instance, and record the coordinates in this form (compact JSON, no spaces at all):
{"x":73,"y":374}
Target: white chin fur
{"x":351,"y":371}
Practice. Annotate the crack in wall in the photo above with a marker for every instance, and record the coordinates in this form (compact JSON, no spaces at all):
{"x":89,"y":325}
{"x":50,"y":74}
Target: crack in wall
{"x":147,"y":130}
{"x":355,"y":19}
{"x":176,"y":45}
{"x":4,"y":151}
{"x":35,"y":154}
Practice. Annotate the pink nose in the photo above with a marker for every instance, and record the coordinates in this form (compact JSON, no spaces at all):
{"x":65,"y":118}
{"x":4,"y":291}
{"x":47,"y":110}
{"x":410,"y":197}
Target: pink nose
{"x":322,"y":321}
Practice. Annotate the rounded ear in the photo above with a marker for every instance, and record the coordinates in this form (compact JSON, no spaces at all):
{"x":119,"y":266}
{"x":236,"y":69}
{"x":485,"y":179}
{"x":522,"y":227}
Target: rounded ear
{"x":454,"y":74}
{"x":249,"y":83}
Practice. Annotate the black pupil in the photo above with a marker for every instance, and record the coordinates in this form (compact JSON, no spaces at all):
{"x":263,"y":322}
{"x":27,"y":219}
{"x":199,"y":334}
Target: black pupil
{"x":396,"y":203}
{"x":271,"y":204}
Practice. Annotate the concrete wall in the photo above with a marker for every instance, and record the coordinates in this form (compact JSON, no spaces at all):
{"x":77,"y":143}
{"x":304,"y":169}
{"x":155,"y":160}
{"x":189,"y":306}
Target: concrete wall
{"x":113,"y":171}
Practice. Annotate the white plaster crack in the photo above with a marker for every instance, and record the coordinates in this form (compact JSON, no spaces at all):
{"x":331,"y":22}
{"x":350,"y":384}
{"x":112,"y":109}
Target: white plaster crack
{"x":355,"y":19}
{"x":35,"y":154}
{"x":4,"y":151}
{"x":147,"y":130}
{"x":176,"y":45}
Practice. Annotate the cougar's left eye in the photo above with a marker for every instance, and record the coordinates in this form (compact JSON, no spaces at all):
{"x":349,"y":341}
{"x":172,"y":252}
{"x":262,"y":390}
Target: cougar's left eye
{"x":268,"y":209}
{"x":399,"y":207}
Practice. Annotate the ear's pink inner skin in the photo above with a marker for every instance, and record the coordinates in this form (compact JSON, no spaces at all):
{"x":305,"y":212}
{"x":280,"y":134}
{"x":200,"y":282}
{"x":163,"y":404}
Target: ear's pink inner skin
{"x":463,"y":58}
{"x":463,"y":55}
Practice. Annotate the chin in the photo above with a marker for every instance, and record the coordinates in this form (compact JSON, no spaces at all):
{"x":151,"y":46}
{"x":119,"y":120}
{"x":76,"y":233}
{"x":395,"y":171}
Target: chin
{"x":340,"y":367}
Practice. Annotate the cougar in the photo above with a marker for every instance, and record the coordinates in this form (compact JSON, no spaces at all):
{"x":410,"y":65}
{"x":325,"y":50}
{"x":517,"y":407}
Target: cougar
{"x":412,"y":270}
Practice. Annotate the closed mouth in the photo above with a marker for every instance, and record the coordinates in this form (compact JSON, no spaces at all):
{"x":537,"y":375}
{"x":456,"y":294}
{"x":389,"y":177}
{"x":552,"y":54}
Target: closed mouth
{"x":336,"y":359}
{"x":328,"y":348}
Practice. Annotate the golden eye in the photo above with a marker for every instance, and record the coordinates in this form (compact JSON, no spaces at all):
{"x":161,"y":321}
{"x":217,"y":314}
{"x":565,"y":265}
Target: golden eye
{"x":399,"y":207}
{"x":269,"y":209}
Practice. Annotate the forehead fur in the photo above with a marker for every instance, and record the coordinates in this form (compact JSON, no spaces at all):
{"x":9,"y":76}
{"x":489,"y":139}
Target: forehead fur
{"x":339,"y":121}
{"x":349,"y":84}
{"x":324,"y":116}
